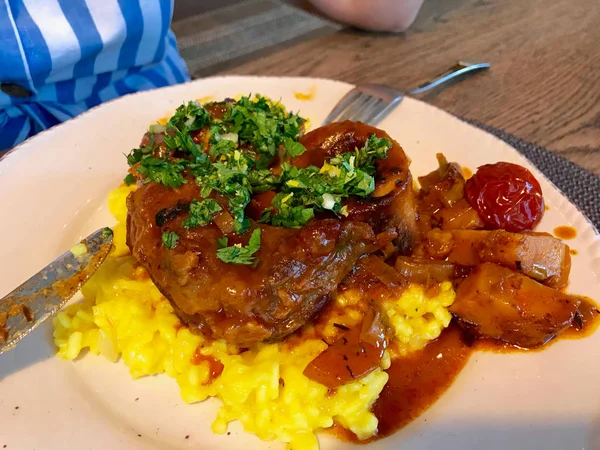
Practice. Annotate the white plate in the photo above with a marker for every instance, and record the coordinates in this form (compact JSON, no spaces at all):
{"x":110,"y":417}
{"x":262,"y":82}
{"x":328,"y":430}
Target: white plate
{"x":54,"y":190}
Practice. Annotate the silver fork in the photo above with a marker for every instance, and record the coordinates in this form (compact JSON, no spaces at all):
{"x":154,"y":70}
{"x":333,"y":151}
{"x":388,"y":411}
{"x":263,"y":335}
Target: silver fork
{"x":371,"y":103}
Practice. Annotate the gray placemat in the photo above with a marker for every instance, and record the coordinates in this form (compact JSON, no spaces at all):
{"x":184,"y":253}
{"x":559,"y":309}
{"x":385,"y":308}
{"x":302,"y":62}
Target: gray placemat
{"x":581,"y":186}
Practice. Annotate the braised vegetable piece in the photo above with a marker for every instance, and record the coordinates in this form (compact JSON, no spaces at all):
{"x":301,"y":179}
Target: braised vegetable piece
{"x":539,"y":256}
{"x":381,"y":271}
{"x":425,"y":271}
{"x":457,"y":246}
{"x":357,"y":352}
{"x":445,"y":185}
{"x":495,"y":302}
{"x":441,"y":200}
{"x":506,"y":196}
{"x":459,"y":216}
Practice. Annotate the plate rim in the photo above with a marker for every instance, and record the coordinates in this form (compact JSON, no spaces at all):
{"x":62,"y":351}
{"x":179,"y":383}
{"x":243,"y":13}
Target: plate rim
{"x":5,"y":158}
{"x":587,"y":232}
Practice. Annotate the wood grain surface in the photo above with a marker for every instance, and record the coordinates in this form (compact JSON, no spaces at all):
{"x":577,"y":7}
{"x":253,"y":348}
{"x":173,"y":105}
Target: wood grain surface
{"x":544,"y":84}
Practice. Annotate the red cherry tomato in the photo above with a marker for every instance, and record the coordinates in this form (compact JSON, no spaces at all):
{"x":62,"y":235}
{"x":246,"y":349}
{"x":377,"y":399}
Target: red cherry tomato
{"x":506,"y":196}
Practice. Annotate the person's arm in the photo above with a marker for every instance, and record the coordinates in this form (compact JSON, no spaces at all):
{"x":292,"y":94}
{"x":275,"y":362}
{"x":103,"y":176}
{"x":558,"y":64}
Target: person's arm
{"x":375,"y":15}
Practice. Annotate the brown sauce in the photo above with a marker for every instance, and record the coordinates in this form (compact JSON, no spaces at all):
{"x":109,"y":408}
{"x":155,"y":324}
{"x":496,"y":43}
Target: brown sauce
{"x":419,"y":379}
{"x":347,"y":359}
{"x":586,"y":322}
{"x":215,"y":367}
{"x":565,"y":232}
{"x":416,"y":382}
{"x":66,"y":288}
{"x":63,"y":289}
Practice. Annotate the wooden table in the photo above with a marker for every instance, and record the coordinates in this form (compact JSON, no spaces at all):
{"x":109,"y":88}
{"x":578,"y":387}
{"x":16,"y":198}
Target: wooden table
{"x":544,"y":84}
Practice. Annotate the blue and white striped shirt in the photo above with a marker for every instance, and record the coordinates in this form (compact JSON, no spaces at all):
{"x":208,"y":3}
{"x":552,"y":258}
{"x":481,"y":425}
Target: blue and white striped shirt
{"x":59,"y":58}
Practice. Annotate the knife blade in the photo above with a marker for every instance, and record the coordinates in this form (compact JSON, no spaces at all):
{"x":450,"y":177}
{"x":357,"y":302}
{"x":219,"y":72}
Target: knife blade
{"x":42,"y":295}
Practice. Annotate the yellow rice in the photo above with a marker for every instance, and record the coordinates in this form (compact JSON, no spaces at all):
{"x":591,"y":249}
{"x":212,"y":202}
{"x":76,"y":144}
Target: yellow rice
{"x":125,"y":316}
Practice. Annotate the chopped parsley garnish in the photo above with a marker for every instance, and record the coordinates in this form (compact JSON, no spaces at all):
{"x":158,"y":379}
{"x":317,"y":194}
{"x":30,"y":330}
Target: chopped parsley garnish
{"x":162,"y":170}
{"x":239,"y":254}
{"x":307,"y":190}
{"x":191,"y":116}
{"x":170,"y":239}
{"x":129,"y":179}
{"x":258,"y":126}
{"x":292,"y":147}
{"x":229,"y":177}
{"x":187,"y":118}
{"x":136,"y":155}
{"x":182,"y":141}
{"x":201,"y":213}
{"x":265,"y":125}
{"x":106,"y":233}
{"x":230,"y":153}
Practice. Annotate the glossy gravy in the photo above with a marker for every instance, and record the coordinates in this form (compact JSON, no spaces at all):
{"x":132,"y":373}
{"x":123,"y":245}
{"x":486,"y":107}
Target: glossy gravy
{"x":418,"y":380}
{"x":215,"y":367}
{"x":565,"y":232}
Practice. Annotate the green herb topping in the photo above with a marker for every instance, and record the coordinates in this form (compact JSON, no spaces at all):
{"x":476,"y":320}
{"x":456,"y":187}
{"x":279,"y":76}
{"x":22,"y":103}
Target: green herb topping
{"x":170,"y":239}
{"x":229,"y":153}
{"x":129,"y":179}
{"x":162,"y":170}
{"x":238,"y":254}
{"x":106,"y":233}
{"x":201,"y":213}
{"x":303,"y":191}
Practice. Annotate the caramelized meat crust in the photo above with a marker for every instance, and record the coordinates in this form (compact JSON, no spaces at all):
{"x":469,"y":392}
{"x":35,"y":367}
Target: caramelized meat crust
{"x":298,"y":269}
{"x":392,"y":205}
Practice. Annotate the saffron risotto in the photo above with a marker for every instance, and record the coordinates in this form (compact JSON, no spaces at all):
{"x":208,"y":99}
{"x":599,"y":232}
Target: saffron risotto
{"x":124,"y":316}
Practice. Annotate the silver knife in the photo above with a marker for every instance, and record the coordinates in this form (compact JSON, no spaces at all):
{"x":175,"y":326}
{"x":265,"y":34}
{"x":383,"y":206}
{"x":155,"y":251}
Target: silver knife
{"x":46,"y":292}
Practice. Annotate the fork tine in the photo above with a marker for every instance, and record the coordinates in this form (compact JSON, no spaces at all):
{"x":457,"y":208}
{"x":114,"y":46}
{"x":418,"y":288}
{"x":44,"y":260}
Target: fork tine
{"x":366,"y":109}
{"x":354,"y":110}
{"x":342,"y":105}
{"x":372,"y":110}
{"x":387,"y":109}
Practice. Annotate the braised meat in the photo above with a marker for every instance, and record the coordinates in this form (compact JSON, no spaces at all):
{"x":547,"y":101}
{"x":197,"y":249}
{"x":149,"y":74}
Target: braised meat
{"x":392,"y":205}
{"x":298,"y":268}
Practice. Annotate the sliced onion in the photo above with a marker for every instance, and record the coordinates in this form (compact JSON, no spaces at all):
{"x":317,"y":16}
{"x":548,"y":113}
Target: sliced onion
{"x":383,"y":272}
{"x":384,"y":239}
{"x":157,"y":128}
{"x":233,"y":137}
{"x":374,"y":329}
{"x":224,"y":221}
{"x":424,"y":271}
{"x":328,"y":201}
{"x":388,"y":250}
